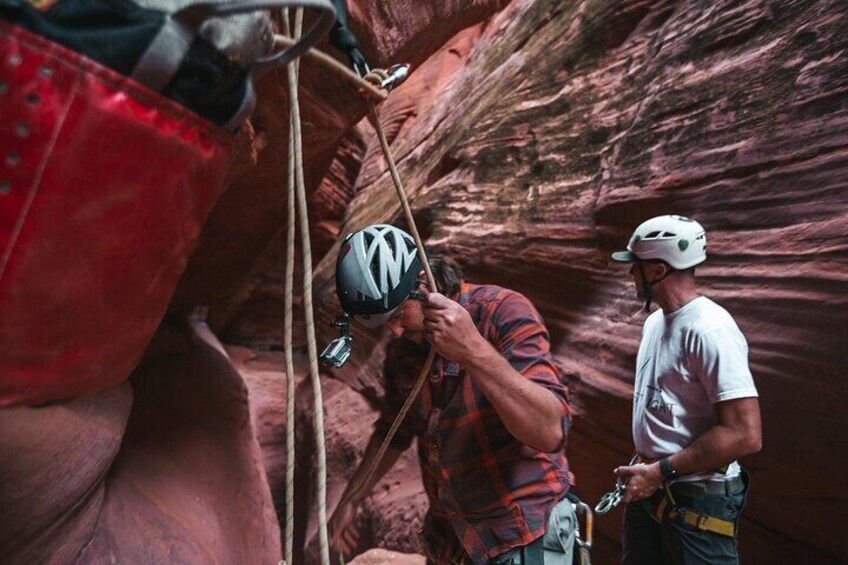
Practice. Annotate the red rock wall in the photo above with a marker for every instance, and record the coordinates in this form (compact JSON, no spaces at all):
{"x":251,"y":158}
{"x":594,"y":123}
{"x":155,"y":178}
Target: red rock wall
{"x":531,"y":145}
{"x":566,"y":125}
{"x":252,"y":211}
{"x":163,"y":469}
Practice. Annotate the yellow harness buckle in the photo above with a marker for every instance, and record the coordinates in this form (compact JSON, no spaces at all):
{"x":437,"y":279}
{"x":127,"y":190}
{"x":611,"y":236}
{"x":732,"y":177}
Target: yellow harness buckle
{"x":709,"y":524}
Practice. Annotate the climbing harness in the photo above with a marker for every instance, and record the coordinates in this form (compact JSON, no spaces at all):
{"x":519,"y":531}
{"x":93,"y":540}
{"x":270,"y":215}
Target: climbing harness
{"x":699,"y":521}
{"x":668,"y":508}
{"x":613,"y":498}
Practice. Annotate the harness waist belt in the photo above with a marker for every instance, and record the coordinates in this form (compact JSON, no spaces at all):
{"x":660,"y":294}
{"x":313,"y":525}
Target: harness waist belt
{"x":669,"y":509}
{"x":697,"y":489}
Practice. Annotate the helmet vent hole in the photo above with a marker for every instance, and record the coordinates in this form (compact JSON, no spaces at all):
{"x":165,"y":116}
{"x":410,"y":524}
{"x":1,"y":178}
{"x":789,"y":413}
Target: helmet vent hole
{"x":653,"y":235}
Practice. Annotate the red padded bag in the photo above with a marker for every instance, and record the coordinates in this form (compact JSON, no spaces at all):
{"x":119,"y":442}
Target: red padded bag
{"x":104,"y":187}
{"x":105,"y":183}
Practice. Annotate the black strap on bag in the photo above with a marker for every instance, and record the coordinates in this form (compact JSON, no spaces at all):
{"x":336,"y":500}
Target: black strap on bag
{"x":164,"y":51}
{"x":344,"y":40}
{"x":533,"y":553}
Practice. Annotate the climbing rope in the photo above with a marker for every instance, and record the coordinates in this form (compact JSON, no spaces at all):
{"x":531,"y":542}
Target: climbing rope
{"x":289,"y":292}
{"x":364,"y":87}
{"x":300,"y":190}
{"x":372,"y":86}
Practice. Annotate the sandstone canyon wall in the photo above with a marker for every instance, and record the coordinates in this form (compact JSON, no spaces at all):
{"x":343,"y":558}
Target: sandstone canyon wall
{"x":532,"y":137}
{"x":534,"y":148}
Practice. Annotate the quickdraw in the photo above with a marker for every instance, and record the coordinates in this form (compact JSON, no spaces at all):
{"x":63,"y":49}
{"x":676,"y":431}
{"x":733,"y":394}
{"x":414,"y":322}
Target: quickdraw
{"x":613,"y":498}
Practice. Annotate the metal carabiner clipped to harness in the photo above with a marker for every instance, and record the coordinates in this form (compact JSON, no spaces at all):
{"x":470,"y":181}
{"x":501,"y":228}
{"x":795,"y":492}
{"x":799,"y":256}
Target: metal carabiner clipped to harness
{"x":613,"y":498}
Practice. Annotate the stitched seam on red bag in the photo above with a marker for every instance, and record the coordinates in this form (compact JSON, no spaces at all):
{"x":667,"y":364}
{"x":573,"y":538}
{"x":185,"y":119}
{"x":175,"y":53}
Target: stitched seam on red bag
{"x":36,"y":181}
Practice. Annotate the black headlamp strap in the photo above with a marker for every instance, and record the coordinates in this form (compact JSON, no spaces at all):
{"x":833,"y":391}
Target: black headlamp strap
{"x":648,"y":286}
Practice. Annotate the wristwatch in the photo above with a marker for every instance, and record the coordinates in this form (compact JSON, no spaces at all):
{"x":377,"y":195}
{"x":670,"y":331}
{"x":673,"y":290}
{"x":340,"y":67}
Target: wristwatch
{"x":668,"y":472}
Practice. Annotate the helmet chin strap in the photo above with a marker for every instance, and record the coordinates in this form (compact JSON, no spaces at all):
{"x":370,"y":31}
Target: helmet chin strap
{"x":648,"y":286}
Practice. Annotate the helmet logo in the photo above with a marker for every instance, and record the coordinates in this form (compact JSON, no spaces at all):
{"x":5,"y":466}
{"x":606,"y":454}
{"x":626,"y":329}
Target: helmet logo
{"x":683,"y":244}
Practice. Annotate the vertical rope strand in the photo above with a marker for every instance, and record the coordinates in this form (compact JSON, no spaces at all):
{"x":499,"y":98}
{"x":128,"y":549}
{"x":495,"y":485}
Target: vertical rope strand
{"x":308,"y":311}
{"x":407,"y":212}
{"x":288,"y":334}
{"x":296,"y":178}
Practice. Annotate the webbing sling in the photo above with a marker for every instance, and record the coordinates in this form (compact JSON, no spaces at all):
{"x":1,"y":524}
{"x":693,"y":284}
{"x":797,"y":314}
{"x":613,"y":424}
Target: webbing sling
{"x":700,"y":521}
{"x":533,"y":553}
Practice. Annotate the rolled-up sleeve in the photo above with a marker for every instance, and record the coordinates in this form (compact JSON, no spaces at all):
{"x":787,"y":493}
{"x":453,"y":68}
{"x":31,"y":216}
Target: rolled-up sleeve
{"x":520,"y":335}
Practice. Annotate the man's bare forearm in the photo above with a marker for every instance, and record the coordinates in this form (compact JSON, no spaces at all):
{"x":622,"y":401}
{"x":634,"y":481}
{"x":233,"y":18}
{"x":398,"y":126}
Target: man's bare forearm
{"x":735,"y":437}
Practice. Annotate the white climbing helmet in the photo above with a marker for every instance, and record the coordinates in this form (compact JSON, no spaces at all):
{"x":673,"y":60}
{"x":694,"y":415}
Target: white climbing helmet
{"x":677,"y":240}
{"x":376,"y":270}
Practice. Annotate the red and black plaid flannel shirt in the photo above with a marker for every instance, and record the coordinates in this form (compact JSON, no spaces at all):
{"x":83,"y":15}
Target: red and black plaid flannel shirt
{"x":488,"y":492}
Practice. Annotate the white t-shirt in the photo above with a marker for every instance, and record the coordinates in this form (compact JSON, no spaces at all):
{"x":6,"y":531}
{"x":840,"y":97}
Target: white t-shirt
{"x":688,"y":361}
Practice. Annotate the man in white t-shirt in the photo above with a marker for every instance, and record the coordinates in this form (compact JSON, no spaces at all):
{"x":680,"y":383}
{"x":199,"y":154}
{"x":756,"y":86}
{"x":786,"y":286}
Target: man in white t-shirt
{"x":695,"y":408}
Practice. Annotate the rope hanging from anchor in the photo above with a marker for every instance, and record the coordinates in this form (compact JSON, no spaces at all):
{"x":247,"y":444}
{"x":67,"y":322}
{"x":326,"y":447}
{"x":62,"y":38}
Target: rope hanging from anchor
{"x":292,"y":75}
{"x":374,"y":86}
{"x":296,"y":178}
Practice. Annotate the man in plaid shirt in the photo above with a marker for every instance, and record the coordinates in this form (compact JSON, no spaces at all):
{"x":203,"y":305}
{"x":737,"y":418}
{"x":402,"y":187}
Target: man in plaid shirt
{"x":491,"y":426}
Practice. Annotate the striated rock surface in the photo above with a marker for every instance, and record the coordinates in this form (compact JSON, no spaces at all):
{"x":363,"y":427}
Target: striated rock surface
{"x":383,"y":557}
{"x":571,"y":122}
{"x":188,"y":484}
{"x":390,"y":517}
{"x":253,"y":208}
{"x":531,"y":141}
{"x":160,"y":469}
{"x":51,"y":481}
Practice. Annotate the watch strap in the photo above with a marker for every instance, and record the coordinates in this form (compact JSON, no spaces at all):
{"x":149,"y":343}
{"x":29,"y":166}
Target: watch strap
{"x":668,"y":472}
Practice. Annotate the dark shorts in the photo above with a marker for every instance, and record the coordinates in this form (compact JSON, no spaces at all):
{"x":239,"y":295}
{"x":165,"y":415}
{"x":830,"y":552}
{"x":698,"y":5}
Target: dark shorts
{"x":674,"y":542}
